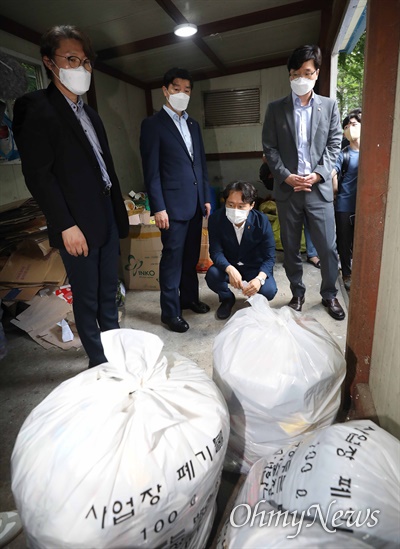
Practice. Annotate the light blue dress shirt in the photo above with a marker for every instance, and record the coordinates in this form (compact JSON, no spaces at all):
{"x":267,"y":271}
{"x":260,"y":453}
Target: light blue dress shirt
{"x":181,"y":124}
{"x":90,"y":133}
{"x":302,"y":118}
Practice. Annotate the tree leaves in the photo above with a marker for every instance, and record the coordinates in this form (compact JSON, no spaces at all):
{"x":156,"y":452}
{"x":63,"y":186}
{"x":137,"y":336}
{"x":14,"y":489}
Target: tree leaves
{"x":350,"y":78}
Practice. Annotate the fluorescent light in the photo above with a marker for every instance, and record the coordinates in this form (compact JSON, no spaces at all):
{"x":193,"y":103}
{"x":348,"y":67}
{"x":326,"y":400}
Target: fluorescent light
{"x":187,"y":29}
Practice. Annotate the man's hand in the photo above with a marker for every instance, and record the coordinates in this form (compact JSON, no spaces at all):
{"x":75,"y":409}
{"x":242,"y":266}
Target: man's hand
{"x":207,"y":209}
{"x":252,"y":287}
{"x":75,"y":242}
{"x":162,"y":220}
{"x":300,"y":183}
{"x":313,"y":178}
{"x":235,"y":278}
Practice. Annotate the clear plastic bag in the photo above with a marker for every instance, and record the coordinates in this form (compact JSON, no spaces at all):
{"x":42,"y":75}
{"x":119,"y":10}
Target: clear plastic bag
{"x":280,"y":373}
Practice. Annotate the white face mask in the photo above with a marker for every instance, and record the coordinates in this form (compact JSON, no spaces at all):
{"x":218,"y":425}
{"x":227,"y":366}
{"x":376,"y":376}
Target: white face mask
{"x":353,"y":132}
{"x":236,"y":216}
{"x":179,"y":101}
{"x":301,"y":86}
{"x":76,"y":80}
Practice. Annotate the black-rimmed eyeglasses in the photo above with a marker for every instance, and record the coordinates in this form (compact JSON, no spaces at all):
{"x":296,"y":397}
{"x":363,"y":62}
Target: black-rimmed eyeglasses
{"x":75,"y":62}
{"x":307,"y":74}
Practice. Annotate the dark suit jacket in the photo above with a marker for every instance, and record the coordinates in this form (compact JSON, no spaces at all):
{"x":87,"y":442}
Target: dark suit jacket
{"x":280,"y":143}
{"x":61,"y":170}
{"x":257,"y":247}
{"x":173,"y":181}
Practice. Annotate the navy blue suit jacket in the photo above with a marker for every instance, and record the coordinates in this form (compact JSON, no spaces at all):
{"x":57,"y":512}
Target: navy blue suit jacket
{"x":256,"y":250}
{"x":173,"y":181}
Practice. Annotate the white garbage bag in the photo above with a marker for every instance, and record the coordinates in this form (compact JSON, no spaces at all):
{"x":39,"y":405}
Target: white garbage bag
{"x":127,"y":454}
{"x":345,"y":476}
{"x":280,"y":373}
{"x":254,"y":523}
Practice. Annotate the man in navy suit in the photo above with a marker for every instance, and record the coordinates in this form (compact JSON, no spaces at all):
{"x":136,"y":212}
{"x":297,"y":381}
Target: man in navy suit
{"x":67,"y":164}
{"x":176,"y":179}
{"x":242,"y":248}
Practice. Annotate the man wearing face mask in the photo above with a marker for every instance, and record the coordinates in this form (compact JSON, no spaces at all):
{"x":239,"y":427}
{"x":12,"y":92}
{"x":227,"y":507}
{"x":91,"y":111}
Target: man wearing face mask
{"x":176,"y":179}
{"x":68,"y":168}
{"x":301,"y":141}
{"x":345,"y":176}
{"x":242,"y":248}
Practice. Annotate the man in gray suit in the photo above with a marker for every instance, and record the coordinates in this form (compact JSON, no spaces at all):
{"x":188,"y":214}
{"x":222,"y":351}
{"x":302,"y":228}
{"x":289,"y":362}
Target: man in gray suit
{"x":301,"y":140}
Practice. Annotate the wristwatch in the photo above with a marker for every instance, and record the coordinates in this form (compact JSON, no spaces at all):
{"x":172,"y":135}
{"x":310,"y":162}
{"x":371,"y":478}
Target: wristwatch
{"x":262,"y":280}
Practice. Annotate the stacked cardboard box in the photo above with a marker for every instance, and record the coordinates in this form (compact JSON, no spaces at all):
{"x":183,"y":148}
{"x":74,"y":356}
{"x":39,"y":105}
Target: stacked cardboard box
{"x":27,"y":261}
{"x":140,"y":257}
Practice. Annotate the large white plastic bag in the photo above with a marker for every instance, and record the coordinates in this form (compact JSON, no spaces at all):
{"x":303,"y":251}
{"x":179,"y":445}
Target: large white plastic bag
{"x":145,"y":433}
{"x":280,"y":373}
{"x":254,"y":523}
{"x":347,"y":466}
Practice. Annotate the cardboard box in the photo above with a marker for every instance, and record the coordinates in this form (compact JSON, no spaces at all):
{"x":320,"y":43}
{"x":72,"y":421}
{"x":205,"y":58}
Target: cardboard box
{"x":140,"y":257}
{"x":19,"y":294}
{"x":40,"y":319}
{"x":137,"y":217}
{"x":33,"y":269}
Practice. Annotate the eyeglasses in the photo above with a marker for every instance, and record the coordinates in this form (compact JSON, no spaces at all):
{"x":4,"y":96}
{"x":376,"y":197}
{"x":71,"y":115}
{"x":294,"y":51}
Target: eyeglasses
{"x":307,"y":74}
{"x":74,"y":62}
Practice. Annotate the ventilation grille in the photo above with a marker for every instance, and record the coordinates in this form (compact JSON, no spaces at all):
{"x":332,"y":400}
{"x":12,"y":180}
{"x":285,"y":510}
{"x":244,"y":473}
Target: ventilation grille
{"x":232,"y":107}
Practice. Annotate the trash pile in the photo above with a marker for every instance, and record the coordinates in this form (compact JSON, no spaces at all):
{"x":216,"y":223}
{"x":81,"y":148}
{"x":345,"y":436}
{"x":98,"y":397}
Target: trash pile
{"x":130,"y":453}
{"x":27,"y":262}
{"x":32,"y":277}
{"x":138,"y":208}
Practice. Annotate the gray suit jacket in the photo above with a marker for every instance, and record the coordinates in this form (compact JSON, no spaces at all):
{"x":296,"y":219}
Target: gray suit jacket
{"x":280,"y":143}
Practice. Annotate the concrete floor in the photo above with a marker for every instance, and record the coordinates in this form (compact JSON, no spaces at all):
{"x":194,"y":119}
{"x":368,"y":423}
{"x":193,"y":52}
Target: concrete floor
{"x":29,"y":373}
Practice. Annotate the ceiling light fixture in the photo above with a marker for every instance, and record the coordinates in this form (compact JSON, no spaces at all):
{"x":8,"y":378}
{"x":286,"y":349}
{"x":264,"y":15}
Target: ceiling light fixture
{"x":185,"y":30}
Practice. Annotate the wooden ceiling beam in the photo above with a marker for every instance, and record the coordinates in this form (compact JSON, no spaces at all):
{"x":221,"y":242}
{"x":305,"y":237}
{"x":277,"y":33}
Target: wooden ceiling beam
{"x":206,"y":75}
{"x":257,"y":17}
{"x":138,"y":46}
{"x":106,"y":69}
{"x":170,"y":9}
{"x":331,"y":23}
{"x":12,"y":27}
{"x":210,"y":54}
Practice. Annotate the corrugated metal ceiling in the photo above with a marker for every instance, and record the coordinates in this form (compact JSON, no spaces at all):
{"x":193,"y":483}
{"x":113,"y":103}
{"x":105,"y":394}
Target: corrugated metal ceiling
{"x":135,"y":41}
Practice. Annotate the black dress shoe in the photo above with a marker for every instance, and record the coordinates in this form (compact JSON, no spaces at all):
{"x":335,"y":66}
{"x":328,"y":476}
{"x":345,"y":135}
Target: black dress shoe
{"x":296,"y":303}
{"x":197,"y":307}
{"x":334,"y":308}
{"x":225,"y":309}
{"x":175,"y":323}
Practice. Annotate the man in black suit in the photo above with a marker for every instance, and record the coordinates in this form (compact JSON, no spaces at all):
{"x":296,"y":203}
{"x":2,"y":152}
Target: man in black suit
{"x":176,"y":179}
{"x":68,"y":168}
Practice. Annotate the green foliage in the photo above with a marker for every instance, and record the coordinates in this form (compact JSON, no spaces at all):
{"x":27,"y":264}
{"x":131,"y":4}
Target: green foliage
{"x":350,"y":78}
{"x":33,"y":73}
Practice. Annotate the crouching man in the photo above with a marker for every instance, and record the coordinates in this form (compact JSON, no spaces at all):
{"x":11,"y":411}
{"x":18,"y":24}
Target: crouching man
{"x":242,"y":248}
